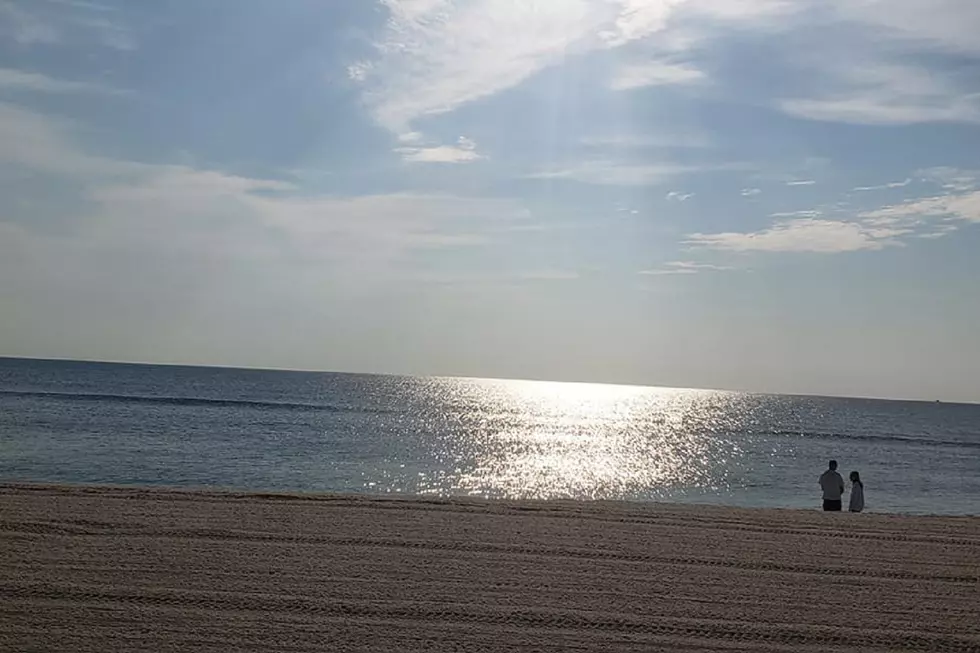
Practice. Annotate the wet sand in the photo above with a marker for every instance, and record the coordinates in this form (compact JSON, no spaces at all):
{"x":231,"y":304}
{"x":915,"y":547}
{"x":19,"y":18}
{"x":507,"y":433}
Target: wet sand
{"x":109,"y":569}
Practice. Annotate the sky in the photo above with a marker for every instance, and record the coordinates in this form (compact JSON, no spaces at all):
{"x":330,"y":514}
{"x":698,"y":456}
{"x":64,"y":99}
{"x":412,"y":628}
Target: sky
{"x":766,"y":195}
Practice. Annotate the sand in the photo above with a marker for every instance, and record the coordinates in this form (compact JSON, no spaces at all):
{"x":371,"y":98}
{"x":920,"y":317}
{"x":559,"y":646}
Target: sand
{"x":113,"y":569}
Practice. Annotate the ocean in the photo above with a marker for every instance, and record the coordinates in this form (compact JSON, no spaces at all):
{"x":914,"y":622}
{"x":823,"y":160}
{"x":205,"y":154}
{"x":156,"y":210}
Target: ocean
{"x":83,"y":422}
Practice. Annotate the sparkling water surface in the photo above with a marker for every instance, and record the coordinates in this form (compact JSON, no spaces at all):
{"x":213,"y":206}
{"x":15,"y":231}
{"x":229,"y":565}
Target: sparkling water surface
{"x":301,"y":431}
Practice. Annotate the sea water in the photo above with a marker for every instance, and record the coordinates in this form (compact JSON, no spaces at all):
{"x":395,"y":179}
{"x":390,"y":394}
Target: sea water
{"x":80,"y":422}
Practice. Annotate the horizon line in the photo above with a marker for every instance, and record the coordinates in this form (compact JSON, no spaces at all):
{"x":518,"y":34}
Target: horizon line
{"x":481,"y":378}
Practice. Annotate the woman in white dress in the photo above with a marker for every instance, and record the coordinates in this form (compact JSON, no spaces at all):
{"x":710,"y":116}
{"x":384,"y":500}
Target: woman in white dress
{"x":857,"y":493}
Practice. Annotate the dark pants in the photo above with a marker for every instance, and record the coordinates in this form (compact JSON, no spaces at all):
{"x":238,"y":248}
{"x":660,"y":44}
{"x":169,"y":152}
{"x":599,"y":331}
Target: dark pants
{"x":830,"y":504}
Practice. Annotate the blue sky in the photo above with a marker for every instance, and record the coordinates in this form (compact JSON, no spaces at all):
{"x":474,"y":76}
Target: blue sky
{"x":770,"y":195}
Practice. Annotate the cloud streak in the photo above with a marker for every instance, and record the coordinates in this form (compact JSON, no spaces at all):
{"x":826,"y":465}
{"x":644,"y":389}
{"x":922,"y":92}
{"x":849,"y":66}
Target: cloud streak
{"x":463,"y":152}
{"x":877,"y":92}
{"x":888,"y":226}
{"x":800,"y":235}
{"x":156,"y":208}
{"x":964,"y":207}
{"x":29,"y":81}
{"x":58,"y":23}
{"x":684,"y":268}
{"x":951,"y":179}
{"x":609,"y":173}
{"x":654,"y":73}
{"x":893,"y":184}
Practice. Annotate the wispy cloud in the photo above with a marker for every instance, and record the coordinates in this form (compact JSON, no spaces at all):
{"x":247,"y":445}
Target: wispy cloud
{"x":463,"y":152}
{"x":61,"y":22}
{"x":800,"y":235}
{"x":891,"y":225}
{"x":24,"y":27}
{"x":807,"y":213}
{"x":36,"y":82}
{"x":677,"y":196}
{"x":159,"y":207}
{"x":962,"y":207}
{"x":607,"y":173}
{"x":951,"y":179}
{"x":751,"y":192}
{"x":439,"y":154}
{"x":888,"y":63}
{"x":939,"y":25}
{"x":636,"y":19}
{"x":654,"y":73}
{"x":44,"y":144}
{"x":876,"y":93}
{"x":801,"y":182}
{"x":437,"y":55}
{"x":893,"y":184}
{"x":684,"y":267}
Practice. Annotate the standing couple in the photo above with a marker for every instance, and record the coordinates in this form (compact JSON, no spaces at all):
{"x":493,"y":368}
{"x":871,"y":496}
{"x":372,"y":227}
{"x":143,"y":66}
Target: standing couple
{"x":833,"y":489}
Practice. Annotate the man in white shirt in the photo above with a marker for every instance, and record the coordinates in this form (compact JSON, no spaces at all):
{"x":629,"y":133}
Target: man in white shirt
{"x":832,"y":484}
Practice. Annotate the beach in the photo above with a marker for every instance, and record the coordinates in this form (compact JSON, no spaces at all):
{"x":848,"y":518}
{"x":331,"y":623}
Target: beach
{"x":86,"y":568}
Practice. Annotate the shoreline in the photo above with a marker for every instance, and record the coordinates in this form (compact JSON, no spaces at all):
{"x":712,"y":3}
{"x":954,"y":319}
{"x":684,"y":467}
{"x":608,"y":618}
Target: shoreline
{"x":141,"y":568}
{"x":328,"y":495}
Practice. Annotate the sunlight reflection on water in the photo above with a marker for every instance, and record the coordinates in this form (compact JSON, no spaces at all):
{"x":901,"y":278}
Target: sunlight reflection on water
{"x":523,"y":439}
{"x":70,"y":422}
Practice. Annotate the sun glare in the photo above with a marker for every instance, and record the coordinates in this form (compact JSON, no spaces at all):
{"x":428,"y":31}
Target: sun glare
{"x":554,"y":440}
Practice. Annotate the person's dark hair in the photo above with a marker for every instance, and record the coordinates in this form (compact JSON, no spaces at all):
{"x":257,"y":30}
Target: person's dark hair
{"x":856,"y":478}
{"x":833,"y":464}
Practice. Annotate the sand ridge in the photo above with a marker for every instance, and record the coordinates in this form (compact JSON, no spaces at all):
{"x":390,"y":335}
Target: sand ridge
{"x":138,"y":569}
